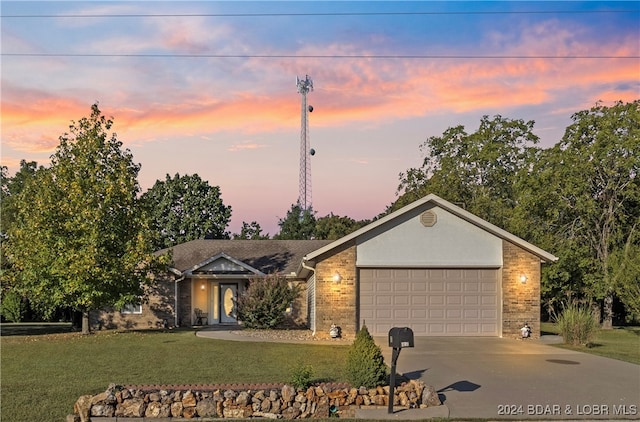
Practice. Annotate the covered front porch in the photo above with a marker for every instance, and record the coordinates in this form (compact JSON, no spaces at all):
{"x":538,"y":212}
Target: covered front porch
{"x":213,"y":300}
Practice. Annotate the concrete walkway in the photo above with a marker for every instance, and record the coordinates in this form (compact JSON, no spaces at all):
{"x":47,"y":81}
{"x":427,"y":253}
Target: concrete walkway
{"x":497,"y":378}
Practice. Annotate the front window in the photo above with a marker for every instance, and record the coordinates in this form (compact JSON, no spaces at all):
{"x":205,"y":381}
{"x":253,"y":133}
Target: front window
{"x":132,"y":308}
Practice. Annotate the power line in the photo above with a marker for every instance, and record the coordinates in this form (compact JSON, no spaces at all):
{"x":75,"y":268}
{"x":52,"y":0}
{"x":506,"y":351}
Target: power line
{"x":312,"y":56}
{"x":199,"y":15}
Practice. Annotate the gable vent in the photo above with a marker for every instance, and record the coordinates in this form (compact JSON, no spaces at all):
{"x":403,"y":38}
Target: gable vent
{"x":428,"y":218}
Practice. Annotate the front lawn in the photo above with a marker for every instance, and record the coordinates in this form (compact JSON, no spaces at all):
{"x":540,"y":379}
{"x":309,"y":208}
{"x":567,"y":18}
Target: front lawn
{"x":43,"y":375}
{"x":622,"y":343}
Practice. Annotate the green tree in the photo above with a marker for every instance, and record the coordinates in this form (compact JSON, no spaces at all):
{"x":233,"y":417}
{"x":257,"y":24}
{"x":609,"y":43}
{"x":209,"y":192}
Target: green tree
{"x":185,"y":208}
{"x":298,"y":224}
{"x":12,"y":307}
{"x":477,"y":171}
{"x":584,"y":202}
{"x":11,"y":187}
{"x":625,"y":269}
{"x":80,"y":238}
{"x":334,"y":227}
{"x":251,"y":231}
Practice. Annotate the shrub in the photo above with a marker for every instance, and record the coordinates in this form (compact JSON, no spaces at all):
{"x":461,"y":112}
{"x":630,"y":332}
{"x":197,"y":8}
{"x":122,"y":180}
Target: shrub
{"x":577,"y":324}
{"x":301,"y":376}
{"x":365,"y":365}
{"x":12,"y":306}
{"x":264,"y":303}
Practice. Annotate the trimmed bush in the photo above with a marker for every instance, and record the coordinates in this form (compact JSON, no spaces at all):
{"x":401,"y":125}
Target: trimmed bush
{"x":365,"y":365}
{"x":264,"y":303}
{"x":577,"y":324}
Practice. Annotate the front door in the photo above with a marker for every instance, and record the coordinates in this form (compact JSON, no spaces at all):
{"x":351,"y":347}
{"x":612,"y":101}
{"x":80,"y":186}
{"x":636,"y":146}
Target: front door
{"x":228,"y":294}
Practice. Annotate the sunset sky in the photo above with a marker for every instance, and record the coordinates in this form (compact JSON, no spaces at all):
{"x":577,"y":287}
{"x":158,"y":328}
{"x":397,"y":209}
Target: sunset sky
{"x":209,"y":88}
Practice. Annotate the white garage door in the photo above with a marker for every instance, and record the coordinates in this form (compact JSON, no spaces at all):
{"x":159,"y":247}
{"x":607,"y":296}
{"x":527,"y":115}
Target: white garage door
{"x":432,"y":302}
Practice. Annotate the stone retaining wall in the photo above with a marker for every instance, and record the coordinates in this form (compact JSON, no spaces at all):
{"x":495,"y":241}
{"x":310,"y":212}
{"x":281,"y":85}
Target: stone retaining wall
{"x":268,"y":401}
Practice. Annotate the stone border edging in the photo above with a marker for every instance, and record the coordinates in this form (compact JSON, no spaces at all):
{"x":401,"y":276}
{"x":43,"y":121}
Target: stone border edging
{"x":160,"y":403}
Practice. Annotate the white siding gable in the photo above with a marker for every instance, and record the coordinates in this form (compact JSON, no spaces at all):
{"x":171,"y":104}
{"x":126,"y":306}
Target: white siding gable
{"x":451,"y":242}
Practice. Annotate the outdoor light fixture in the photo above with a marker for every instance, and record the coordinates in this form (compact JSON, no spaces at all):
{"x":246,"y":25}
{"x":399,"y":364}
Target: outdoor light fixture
{"x":337,"y":277}
{"x":523,"y":278}
{"x":202,"y":286}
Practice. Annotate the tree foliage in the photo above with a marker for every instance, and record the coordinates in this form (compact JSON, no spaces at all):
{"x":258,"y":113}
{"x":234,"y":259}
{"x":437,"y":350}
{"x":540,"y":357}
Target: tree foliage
{"x":251,"y":231}
{"x":298,"y":224}
{"x":477,"y":171}
{"x":264,"y":303}
{"x":333,"y":227}
{"x":185,"y":208}
{"x":80,"y":238}
{"x":303,"y":224}
{"x":579,"y":199}
{"x":584,"y":200}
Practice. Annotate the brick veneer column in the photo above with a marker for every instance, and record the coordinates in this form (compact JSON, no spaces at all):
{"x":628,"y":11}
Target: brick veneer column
{"x":184,"y":302}
{"x":336,"y":302}
{"x":521,"y":301}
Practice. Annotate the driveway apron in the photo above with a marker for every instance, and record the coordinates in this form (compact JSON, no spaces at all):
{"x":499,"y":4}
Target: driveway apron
{"x":515,"y":379}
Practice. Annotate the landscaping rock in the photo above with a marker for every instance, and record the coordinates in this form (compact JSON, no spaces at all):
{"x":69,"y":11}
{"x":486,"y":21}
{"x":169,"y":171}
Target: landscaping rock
{"x":206,"y":407}
{"x":232,"y":401}
{"x":290,"y":413}
{"x":288,"y":393}
{"x":104,"y":410}
{"x":82,"y":407}
{"x":131,"y":408}
{"x":176,"y":409}
{"x":242,"y":399}
{"x":430,"y":397}
{"x":155,"y":409}
{"x":188,"y":399}
{"x":189,"y":412}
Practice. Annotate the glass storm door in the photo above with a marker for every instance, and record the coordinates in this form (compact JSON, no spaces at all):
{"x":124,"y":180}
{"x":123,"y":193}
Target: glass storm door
{"x":228,"y":293}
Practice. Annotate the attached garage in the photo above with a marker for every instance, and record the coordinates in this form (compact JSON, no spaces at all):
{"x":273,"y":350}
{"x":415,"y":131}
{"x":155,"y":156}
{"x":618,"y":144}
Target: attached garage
{"x":434,"y":302}
{"x":431,"y":266}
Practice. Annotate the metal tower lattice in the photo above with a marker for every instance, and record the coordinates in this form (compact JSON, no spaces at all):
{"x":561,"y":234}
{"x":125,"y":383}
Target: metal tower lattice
{"x":304,"y":197}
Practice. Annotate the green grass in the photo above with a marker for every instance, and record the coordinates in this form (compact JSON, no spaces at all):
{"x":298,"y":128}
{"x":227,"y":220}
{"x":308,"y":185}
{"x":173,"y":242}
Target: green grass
{"x":622,"y":343}
{"x":43,"y":375}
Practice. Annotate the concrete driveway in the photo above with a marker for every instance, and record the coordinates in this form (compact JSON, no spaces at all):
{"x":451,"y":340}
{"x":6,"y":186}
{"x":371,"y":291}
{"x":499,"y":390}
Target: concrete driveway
{"x":515,"y":379}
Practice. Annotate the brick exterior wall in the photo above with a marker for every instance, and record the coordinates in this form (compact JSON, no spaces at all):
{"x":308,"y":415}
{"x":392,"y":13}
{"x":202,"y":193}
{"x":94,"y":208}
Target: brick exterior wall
{"x":521,"y":301}
{"x":184,"y":303}
{"x":298,"y":316}
{"x":157,"y":308}
{"x":336,"y":302}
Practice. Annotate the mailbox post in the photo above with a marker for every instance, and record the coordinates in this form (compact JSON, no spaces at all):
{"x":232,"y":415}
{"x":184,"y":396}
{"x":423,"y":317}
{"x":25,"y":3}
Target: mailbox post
{"x":399,"y":337}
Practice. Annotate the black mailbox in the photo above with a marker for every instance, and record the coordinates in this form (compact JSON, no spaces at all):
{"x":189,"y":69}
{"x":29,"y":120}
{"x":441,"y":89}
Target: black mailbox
{"x":400,"y":337}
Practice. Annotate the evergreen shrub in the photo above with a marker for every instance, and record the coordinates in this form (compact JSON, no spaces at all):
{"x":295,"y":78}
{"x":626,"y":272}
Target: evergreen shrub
{"x":365,"y":365}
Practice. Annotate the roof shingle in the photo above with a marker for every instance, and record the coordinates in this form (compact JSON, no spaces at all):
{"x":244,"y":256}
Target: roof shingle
{"x":268,"y":256}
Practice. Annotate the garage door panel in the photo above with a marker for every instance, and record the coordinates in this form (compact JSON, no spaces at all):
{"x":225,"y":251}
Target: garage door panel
{"x":436,"y":302}
{"x":418,"y":314}
{"x":401,"y":314}
{"x":436,"y":286}
{"x":435,"y":314}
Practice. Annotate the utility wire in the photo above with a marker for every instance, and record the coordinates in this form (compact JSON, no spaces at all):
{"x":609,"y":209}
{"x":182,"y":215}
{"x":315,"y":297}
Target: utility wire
{"x":313,"y":56}
{"x":187,"y":15}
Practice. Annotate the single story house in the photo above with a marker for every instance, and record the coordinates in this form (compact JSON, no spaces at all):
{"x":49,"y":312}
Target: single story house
{"x":431,"y":266}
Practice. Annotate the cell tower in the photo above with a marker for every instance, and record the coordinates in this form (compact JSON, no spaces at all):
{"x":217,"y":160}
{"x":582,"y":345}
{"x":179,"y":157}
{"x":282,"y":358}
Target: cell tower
{"x":304,"y":198}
